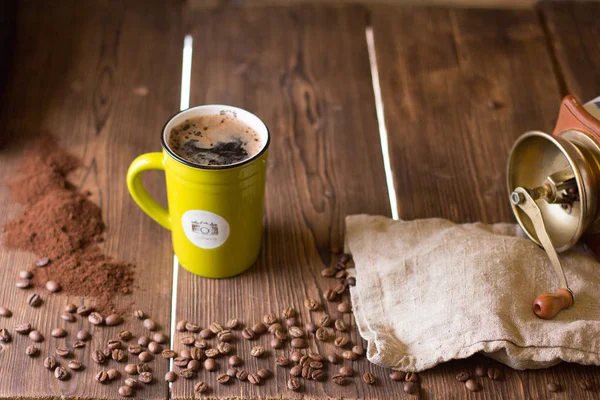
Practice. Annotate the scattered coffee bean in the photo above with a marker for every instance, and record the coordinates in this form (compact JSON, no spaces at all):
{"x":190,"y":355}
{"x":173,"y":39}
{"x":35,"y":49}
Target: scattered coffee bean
{"x":32,"y":350}
{"x":242,"y":375}
{"x":210,"y":364}
{"x":58,"y":333}
{"x":101,"y":377}
{"x":168,"y":354}
{"x":259,"y":328}
{"x":83,"y":335}
{"x":194,"y":365}
{"x":269,"y":319}
{"x":275,"y":327}
{"x":118,"y":355}
{"x":341,"y":341}
{"x":206,"y":333}
{"x":63,"y":352}
{"x":289,"y":312}
{"x":282,"y":361}
{"x":96,"y":318}
{"x":326,"y":321}
{"x":248,"y":334}
{"x":316,"y":365}
{"x":186,"y":373}
{"x":154,"y":348}
{"x":150,"y":324}
{"x":139,"y":314}
{"x":281,"y":335}
{"x":36,"y":336}
{"x":296,"y":332}
{"x":359,"y":350}
{"x":296,"y":370}
{"x":351,"y":281}
{"x":254,"y":379}
{"x":349,"y":355}
{"x":225,"y":335}
{"x":25,"y":274}
{"x":67,"y":317}
{"x":84,"y":310}
{"x":5,"y":312}
{"x":224,"y":348}
{"x":187,"y":341}
{"x":264,"y":373}
{"x":322,"y":335}
{"x":181,"y":361}
{"x":344,"y":307}
{"x":223,"y":379}
{"x":78,"y":344}
{"x":98,"y":357}
{"x":22,"y":283}
{"x":330,"y":295}
{"x":304,"y":360}
{"x":397,"y":375}
{"x":125,"y":335}
{"x":235,"y":361}
{"x":317,"y":375}
{"x":341,"y":274}
{"x":160,"y":337}
{"x":200,"y":387}
{"x":113,"y":319}
{"x":340,"y":325}
{"x":180,"y":327}
{"x":134,"y":348}
{"x":126,"y":391}
{"x":5,"y":336}
{"x":369,"y":378}
{"x":293,"y":384}
{"x":495,"y":373}
{"x":74,"y":365}
{"x":132,"y":383}
{"x":463,"y":376}
{"x":276,"y":343}
{"x":53,"y":286}
{"x":311,"y":304}
{"x":586,"y":384}
{"x":71,"y":308}
{"x":233,"y":323}
{"x":473,"y":385}
{"x":50,"y":363}
{"x":211,"y":353}
{"x":23,"y":328}
{"x":480,"y":370}
{"x":171,"y":376}
{"x":60,"y":373}
{"x":131,"y":369}
{"x":346,"y":371}
{"x":42,"y":262}
{"x":191,"y":327}
{"x":34,"y":300}
{"x":145,"y":377}
{"x":340,"y":288}
{"x":291,"y":322}
{"x":107,"y":353}
{"x":257,"y":351}
{"x":311,"y":327}
{"x":145,"y":356}
{"x":215,"y":327}
{"x":299,"y":343}
{"x":411,"y":377}
{"x":411,"y":387}
{"x":333,"y":358}
{"x":339,"y":380}
{"x":554,"y":387}
{"x":328,"y":272}
{"x":143,"y":367}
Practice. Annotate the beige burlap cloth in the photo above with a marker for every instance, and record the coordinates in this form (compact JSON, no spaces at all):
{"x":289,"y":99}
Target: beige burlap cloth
{"x":429,"y":291}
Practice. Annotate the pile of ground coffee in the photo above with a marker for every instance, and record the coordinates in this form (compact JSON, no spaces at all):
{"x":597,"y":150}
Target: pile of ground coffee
{"x":61,"y":223}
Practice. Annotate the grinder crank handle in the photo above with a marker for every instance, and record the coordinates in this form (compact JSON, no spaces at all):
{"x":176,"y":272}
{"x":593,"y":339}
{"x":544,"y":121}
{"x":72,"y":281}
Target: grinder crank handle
{"x":545,"y":305}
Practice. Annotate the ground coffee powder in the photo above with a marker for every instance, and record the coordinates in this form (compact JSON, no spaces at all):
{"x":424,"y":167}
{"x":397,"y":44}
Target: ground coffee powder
{"x":61,"y":223}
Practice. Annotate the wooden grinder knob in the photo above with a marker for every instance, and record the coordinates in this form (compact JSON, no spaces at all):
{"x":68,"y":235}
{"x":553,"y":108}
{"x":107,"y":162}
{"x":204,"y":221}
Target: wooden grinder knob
{"x":547,"y":305}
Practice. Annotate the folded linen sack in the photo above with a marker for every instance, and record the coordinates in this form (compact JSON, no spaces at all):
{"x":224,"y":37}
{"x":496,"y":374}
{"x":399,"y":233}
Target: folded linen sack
{"x":429,"y":291}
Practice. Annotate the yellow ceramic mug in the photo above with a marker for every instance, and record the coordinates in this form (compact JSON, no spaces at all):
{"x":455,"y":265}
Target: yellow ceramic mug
{"x":215,"y":212}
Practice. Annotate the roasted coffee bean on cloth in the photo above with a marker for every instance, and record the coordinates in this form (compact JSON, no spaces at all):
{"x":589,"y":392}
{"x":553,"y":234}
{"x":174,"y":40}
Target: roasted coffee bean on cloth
{"x":428,"y":291}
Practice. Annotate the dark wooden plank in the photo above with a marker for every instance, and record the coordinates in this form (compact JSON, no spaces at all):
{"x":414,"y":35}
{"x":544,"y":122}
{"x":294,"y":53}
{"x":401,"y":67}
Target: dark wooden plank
{"x":81,"y":71}
{"x":449,"y":149}
{"x":305,"y":71}
{"x":573,"y":35}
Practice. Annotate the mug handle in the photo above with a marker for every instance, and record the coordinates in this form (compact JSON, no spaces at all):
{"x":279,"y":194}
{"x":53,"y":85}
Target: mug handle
{"x":145,"y":162}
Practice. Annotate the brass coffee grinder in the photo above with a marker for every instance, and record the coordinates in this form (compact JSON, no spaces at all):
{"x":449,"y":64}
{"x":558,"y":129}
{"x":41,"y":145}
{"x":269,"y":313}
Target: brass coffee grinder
{"x":554,"y":189}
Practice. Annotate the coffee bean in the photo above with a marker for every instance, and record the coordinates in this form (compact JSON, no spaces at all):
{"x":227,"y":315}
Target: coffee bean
{"x":63,"y":352}
{"x":495,"y":373}
{"x":139,"y":314}
{"x":296,"y":332}
{"x":206,"y":333}
{"x":289,"y":312}
{"x":242,"y":375}
{"x":328,"y":272}
{"x":304,"y":360}
{"x":5,"y":336}
{"x":118,"y":355}
{"x":210,"y":364}
{"x":339,"y":380}
{"x":107,"y":353}
{"x":293,"y":384}
{"x":58,"y":333}
{"x":235,"y":361}
{"x":311,"y":327}
{"x":296,"y":370}
{"x":125,"y":391}
{"x":233,"y":323}
{"x":98,"y":357}
{"x":181,"y":361}
{"x":74,"y":365}
{"x":225,"y":336}
{"x":32,"y":350}
{"x":134,"y":348}
{"x":84,"y":310}
{"x":186,"y":373}
{"x":463,"y":376}
{"x":34,"y":300}
{"x":42,"y":262}
{"x":125,"y":335}
{"x":410,"y":387}
{"x":317,"y":375}
{"x":248,"y":334}
{"x":143,"y":367}
{"x":50,"y":363}
{"x":53,"y":286}
{"x":326,"y":321}
{"x":341,"y":274}
{"x":349,"y":355}
{"x":340,"y":288}
{"x":150,"y":324}
{"x":23,"y":328}
{"x":171,"y":376}
{"x":191,"y":327}
{"x":340,"y":325}
{"x":344,"y":307}
{"x":78,"y":344}
{"x":259,"y":328}
{"x":473,"y":385}
{"x":113,"y":319}
{"x":211,"y":353}
{"x":223,"y":379}
{"x":276,"y":343}
{"x":411,"y":377}
{"x":36,"y":336}
{"x":194,"y":365}
{"x":83,"y":335}
{"x":480,"y":370}
{"x":351,"y":281}
{"x":25,"y":274}
{"x":113,"y":374}
{"x":316,"y":365}
{"x":369,"y":378}
{"x":281,"y":335}
{"x":132,"y":383}
{"x":554,"y":387}
{"x":322,"y":335}
{"x":154,"y":348}
{"x":224,"y":348}
{"x":330,"y":295}
{"x":160,"y":337}
{"x":145,"y":356}
{"x":146,"y":377}
{"x":187,"y":340}
{"x":215,"y":327}
{"x":359,"y":350}
{"x":5,"y":312}
{"x":131,"y":369}
{"x":181,"y":326}
{"x":200,"y":387}
{"x":196,"y":354}
{"x":333,"y":358}
{"x":60,"y":373}
{"x":257,"y":351}
{"x":282,"y":361}
{"x":96,"y":318}
{"x":113,"y":344}
{"x":299,"y":343}
{"x":275,"y":327}
{"x":311,"y":304}
{"x":269,"y":319}
{"x":291,"y":322}
{"x":168,"y":354}
{"x":346,"y":371}
{"x":341,"y":341}
{"x":101,"y":377}
{"x":397,"y":375}
{"x":254,"y":379}
{"x":586,"y":384}
{"x":67,"y":317}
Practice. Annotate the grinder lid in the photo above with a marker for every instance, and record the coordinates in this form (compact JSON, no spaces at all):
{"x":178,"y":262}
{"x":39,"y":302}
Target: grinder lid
{"x":555,"y":169}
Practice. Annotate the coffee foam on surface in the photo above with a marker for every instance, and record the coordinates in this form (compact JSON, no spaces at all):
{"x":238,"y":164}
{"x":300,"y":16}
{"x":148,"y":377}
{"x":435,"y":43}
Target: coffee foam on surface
{"x":214,"y":140}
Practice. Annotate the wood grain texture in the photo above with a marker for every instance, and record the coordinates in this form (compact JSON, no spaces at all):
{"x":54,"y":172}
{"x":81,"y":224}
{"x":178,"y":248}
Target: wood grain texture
{"x":573,"y":33}
{"x":305,"y":72}
{"x":449,"y":149}
{"x":80,"y":72}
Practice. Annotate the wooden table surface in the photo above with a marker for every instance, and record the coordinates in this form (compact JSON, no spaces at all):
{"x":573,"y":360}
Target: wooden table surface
{"x":458,"y":87}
